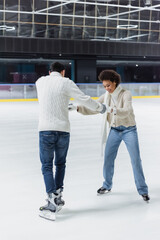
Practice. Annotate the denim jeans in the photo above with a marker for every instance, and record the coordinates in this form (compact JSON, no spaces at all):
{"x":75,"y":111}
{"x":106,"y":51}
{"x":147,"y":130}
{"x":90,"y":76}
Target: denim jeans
{"x":53,"y":145}
{"x":129,"y":136}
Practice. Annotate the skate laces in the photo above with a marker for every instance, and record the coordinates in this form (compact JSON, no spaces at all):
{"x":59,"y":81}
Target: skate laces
{"x":56,"y":198}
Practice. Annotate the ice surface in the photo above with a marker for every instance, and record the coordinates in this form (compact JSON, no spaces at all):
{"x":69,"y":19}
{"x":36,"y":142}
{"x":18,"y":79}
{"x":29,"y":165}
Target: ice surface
{"x":119,"y":215}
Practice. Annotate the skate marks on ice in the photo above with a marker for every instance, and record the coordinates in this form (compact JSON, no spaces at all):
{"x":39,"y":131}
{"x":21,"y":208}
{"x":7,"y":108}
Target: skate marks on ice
{"x":122,"y":213}
{"x":115,"y":203}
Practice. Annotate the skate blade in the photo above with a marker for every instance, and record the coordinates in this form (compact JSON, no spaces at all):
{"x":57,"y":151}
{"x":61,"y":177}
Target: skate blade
{"x":59,"y":208}
{"x":106,"y":192}
{"x":47,"y":214}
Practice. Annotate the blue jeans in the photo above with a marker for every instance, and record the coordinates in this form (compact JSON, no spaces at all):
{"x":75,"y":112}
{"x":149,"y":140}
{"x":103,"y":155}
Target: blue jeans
{"x":53,"y":143}
{"x":129,"y":136}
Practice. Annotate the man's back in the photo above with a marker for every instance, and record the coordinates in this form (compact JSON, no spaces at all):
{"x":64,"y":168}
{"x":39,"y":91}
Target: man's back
{"x":53,"y":102}
{"x":54,"y":92}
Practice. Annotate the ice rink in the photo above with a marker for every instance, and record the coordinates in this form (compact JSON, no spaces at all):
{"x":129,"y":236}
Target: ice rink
{"x":119,"y":215}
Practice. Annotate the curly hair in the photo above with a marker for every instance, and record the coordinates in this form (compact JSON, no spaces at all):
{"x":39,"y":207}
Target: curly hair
{"x":110,"y":75}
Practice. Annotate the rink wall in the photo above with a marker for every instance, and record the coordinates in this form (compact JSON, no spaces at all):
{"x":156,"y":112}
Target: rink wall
{"x":27,"y":92}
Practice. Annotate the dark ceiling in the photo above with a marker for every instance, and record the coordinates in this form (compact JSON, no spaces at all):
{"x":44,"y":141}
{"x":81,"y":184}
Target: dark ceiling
{"x":115,"y":20}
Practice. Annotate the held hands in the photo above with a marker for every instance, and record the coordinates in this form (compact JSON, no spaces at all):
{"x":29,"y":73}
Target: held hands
{"x":103,"y":108}
{"x":72,"y":107}
{"x":111,"y":110}
{"x":106,"y":108}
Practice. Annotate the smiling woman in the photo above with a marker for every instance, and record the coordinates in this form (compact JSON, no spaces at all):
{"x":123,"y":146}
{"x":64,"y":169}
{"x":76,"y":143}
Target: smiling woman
{"x":110,"y":80}
{"x":121,"y":119}
{"x":109,"y":86}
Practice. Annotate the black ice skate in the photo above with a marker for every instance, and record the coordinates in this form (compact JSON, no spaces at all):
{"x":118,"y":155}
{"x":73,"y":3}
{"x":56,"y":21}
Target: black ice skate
{"x":145,"y":197}
{"x":103,"y":190}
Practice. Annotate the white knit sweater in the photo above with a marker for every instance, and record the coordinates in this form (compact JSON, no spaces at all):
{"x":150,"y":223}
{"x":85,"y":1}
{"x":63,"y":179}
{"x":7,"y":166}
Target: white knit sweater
{"x":54,"y":93}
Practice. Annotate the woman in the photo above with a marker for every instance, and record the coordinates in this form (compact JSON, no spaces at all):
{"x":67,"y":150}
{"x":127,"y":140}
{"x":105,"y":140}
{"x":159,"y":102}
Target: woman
{"x":122,"y":125}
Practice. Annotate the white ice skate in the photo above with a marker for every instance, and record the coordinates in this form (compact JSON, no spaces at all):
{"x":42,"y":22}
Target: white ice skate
{"x":48,"y":212}
{"x":60,"y":202}
{"x":54,"y":199}
{"x":51,"y":208}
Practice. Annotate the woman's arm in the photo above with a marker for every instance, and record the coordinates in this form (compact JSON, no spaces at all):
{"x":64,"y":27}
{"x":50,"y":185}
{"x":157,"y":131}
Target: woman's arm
{"x":86,"y":111}
{"x":127,"y":106}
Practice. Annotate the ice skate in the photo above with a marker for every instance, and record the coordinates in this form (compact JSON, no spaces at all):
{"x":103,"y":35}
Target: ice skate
{"x":103,"y":190}
{"x":60,"y":202}
{"x":145,"y":197}
{"x":51,"y":208}
{"x":48,"y":211}
{"x":54,"y":199}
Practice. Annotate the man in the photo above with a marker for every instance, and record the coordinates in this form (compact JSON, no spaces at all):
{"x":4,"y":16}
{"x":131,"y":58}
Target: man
{"x":54,"y":92}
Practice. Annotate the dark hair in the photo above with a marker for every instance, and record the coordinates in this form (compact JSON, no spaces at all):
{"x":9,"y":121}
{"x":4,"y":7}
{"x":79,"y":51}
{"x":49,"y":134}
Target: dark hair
{"x":110,"y":75}
{"x":57,"y":67}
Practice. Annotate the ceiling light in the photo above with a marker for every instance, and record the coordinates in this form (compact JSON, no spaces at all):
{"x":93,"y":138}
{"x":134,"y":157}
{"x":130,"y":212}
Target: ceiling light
{"x":7,"y":28}
{"x":148,"y":3}
{"x":127,"y":26}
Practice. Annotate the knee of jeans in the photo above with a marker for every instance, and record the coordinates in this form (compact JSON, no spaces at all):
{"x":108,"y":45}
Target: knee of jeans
{"x":108,"y":156}
{"x":60,"y":163}
{"x":47,"y":169}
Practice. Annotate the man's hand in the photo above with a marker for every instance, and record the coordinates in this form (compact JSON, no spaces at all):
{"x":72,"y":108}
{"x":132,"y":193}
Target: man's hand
{"x":103,"y":109}
{"x":72,"y":107}
{"x":106,"y":108}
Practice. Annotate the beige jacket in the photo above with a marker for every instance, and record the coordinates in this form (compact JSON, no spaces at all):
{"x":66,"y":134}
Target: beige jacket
{"x":123,"y":114}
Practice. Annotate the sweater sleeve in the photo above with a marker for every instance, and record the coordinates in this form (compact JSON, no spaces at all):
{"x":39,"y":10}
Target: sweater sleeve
{"x":80,"y":97}
{"x":127,"y":106}
{"x":85,"y":111}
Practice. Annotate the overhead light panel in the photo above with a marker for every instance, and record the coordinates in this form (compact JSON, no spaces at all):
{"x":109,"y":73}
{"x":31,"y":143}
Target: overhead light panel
{"x":7,"y":28}
{"x":127,"y":26}
{"x":148,"y":3}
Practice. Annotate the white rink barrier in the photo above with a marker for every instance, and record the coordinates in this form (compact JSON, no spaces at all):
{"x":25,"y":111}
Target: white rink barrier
{"x":28,"y":91}
{"x":137,"y":89}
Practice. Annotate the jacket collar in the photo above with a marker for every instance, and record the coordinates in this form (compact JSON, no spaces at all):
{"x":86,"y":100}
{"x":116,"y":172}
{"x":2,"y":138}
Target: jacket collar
{"x":116,"y":93}
{"x":55,"y":74}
